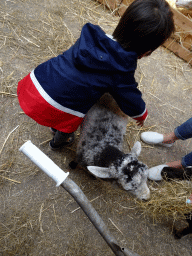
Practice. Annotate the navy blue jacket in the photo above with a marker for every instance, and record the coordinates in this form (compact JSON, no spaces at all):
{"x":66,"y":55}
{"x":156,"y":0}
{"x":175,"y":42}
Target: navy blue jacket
{"x":95,"y":64}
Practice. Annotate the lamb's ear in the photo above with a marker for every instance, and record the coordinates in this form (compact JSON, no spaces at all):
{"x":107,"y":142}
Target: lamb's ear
{"x":136,"y":148}
{"x":100,"y":172}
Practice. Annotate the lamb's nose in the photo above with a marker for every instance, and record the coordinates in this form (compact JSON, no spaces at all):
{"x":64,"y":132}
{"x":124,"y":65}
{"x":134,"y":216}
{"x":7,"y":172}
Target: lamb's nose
{"x":145,"y":193}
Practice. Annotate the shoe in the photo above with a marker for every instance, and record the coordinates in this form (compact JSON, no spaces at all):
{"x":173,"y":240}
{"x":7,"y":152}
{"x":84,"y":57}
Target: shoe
{"x":154,"y":173}
{"x":68,"y":142}
{"x":154,"y":138}
{"x":53,"y":130}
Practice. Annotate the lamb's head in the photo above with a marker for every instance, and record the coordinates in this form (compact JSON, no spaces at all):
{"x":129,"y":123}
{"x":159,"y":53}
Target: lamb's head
{"x":133,"y":177}
{"x":130,"y":173}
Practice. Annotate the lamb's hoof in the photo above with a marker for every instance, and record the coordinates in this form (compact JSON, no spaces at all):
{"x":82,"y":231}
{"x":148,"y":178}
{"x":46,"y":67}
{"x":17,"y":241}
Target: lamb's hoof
{"x":73,"y":164}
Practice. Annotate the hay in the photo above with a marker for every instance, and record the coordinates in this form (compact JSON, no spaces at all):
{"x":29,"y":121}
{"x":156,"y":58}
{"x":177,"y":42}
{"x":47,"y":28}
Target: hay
{"x":8,"y":138}
{"x":168,"y":200}
{"x":10,"y":179}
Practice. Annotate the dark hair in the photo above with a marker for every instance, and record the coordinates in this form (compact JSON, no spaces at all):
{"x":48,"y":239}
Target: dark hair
{"x":145,"y":25}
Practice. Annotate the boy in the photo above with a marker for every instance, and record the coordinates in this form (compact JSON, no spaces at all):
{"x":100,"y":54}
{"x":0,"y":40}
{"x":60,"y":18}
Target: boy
{"x":59,"y":92}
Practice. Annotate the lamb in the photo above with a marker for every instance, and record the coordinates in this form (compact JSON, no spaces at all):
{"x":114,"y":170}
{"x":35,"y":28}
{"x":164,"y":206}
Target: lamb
{"x":100,"y":148}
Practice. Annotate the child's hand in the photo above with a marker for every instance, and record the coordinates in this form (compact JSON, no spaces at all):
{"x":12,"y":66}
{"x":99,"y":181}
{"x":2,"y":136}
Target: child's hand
{"x":141,"y":123}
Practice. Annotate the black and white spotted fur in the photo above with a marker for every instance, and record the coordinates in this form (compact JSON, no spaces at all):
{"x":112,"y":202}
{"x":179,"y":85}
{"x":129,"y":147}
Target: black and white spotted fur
{"x":100,"y":148}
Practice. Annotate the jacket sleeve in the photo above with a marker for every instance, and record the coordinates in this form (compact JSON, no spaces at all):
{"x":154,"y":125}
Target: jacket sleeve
{"x":129,"y":99}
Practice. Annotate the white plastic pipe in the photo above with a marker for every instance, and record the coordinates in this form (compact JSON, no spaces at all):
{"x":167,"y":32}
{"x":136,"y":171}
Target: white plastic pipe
{"x":44,"y":162}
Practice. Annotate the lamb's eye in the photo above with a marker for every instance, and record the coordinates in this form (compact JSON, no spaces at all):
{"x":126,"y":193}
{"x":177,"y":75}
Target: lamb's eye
{"x":125,"y":170}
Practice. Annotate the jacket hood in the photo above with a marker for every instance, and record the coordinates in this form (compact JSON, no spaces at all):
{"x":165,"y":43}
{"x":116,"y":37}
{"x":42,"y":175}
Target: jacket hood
{"x":95,"y":50}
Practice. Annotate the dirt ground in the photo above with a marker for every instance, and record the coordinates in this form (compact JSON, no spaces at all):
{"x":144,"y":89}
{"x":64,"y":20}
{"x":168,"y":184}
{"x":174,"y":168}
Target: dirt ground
{"x":38,"y":218}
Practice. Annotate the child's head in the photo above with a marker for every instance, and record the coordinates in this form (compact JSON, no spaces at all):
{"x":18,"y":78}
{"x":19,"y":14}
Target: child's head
{"x":145,"y":25}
